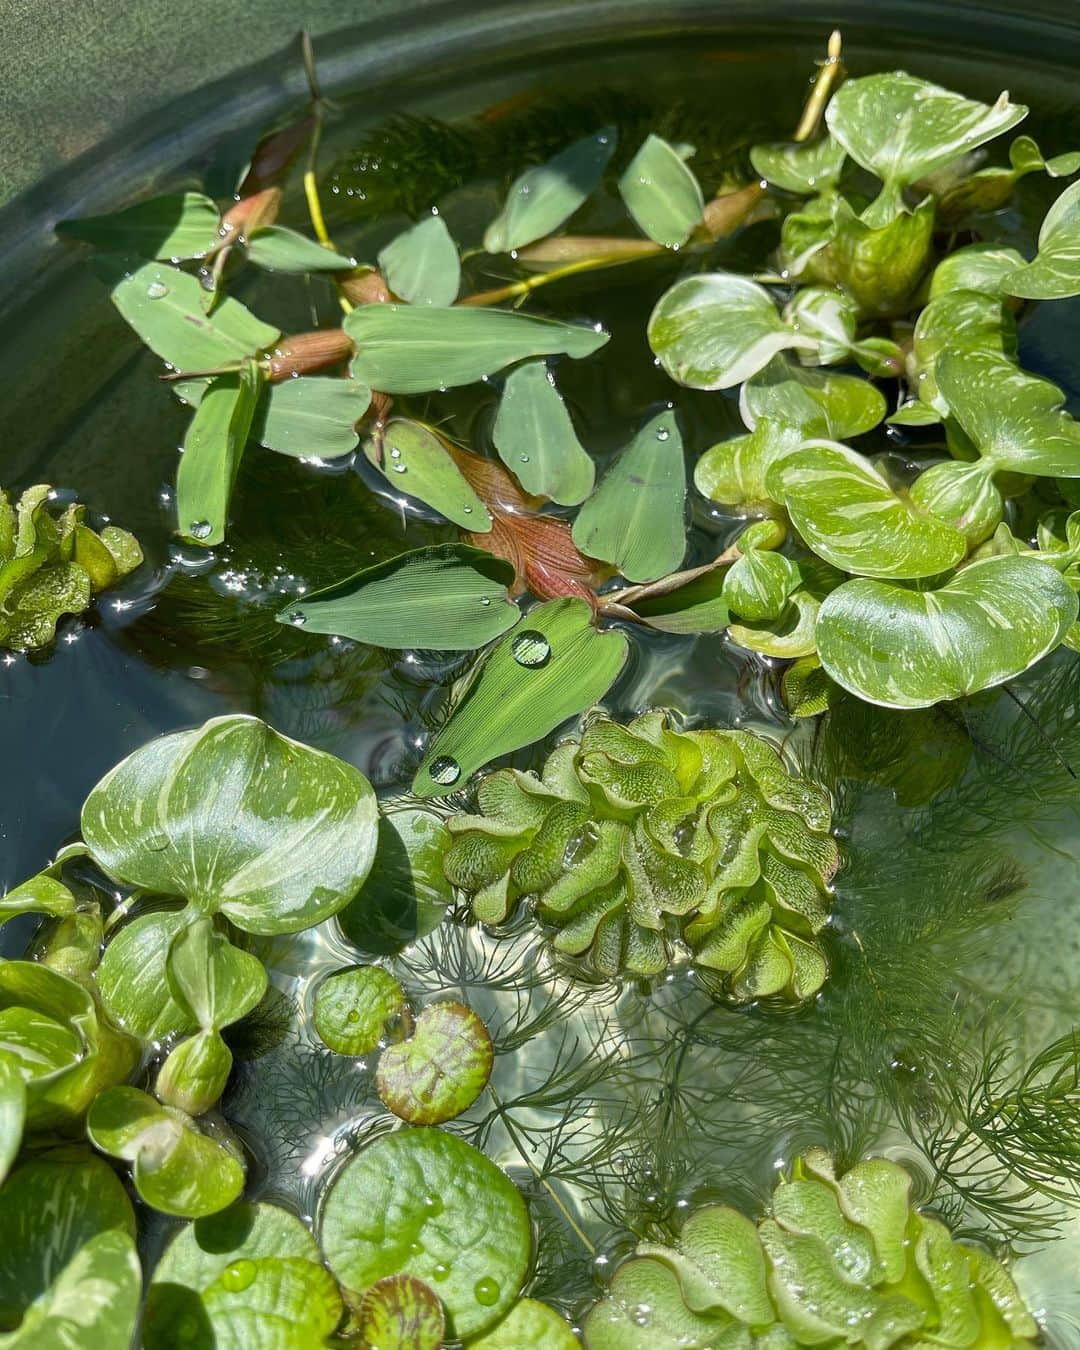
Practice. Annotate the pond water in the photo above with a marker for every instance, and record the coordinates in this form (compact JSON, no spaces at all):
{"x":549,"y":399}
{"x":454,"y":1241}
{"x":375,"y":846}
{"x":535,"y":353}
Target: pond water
{"x":954,"y":931}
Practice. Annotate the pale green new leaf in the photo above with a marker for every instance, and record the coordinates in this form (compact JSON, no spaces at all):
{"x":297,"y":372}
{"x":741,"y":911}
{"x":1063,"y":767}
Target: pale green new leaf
{"x":978,"y":267}
{"x":800,"y":166}
{"x":1054,"y":273}
{"x":536,"y":439}
{"x":959,"y":323}
{"x":279,"y":249}
{"x":635,"y":518}
{"x":12,"y":1110}
{"x":542,"y":198}
{"x":132,"y":979}
{"x":195,"y":1073}
{"x":963,"y":495}
{"x":534,"y":679}
{"x":213,"y":448}
{"x":662,"y":193}
{"x":448,"y":597}
{"x":906,"y":648}
{"x":413,"y":459}
{"x":421,"y":265}
{"x":213,"y":981}
{"x":813,"y":402}
{"x":311,"y":418}
{"x":414,"y":349}
{"x":828,"y":317}
{"x":177,"y":225}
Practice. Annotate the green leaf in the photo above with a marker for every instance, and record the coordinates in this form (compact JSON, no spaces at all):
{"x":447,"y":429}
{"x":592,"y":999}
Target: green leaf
{"x":978,"y":267}
{"x":715,"y":330}
{"x":405,"y":349}
{"x":412,"y":458}
{"x":636,"y":517}
{"x":69,"y":1273}
{"x":850,"y":516}
{"x":789,"y":636}
{"x":278,"y":249}
{"x":238,"y":820}
{"x":828,"y":318}
{"x":401,"y":1312}
{"x":617,"y":1323}
{"x":661,"y":192}
{"x":529,"y":1325}
{"x":805,"y":167}
{"x":425,"y":1203}
{"x":1054,"y":273}
{"x":213,"y":448}
{"x":165,"y":308}
{"x":902,"y":128}
{"x":178,"y":225}
{"x":693,"y":604}
{"x":353,"y":1006}
{"x":906,"y":648}
{"x":42,"y":894}
{"x":880,"y":264}
{"x":914,"y":413}
{"x":440,"y":1070}
{"x":550,"y":669}
{"x":1014,"y":419}
{"x":536,"y":439}
{"x":175,"y":1167}
{"x":447,"y":597}
{"x":962,"y":495}
{"x":311,"y":418}
{"x":194,"y":1073}
{"x":250,"y":1275}
{"x":758,"y":585}
{"x":12,"y":1110}
{"x":133,"y":982}
{"x":958,"y":321}
{"x":421,"y":265}
{"x":811,"y":402}
{"x":542,"y":198}
{"x":210,"y":979}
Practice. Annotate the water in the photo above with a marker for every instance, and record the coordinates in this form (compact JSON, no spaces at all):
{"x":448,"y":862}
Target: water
{"x":620,"y":1108}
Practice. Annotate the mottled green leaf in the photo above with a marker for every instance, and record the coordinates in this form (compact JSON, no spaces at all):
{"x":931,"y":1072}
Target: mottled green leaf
{"x":635,"y":519}
{"x":880,"y":264}
{"x":177,"y":225}
{"x":447,"y":597}
{"x":42,"y":894}
{"x":788,"y":636}
{"x":959,"y":321}
{"x":536,"y":439}
{"x":758,"y":584}
{"x":213,"y":981}
{"x":661,"y":192}
{"x":962,"y":495}
{"x":421,"y":265}
{"x":311,"y":418}
{"x":529,"y":1325}
{"x":353,"y":1006}
{"x":800,"y":166}
{"x":1054,"y":273}
{"x":279,"y":249}
{"x":978,"y":267}
{"x":132,"y":978}
{"x":194,"y":1073}
{"x":542,"y":198}
{"x":440,"y":1070}
{"x":213,"y":448}
{"x":400,"y":1312}
{"x":414,"y":349}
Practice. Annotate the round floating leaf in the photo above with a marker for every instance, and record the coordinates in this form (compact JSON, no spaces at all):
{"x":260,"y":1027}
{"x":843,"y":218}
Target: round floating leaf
{"x":400,"y":1312}
{"x":213,"y":447}
{"x":352,"y":1008}
{"x":850,"y":516}
{"x":1055,"y":271}
{"x":132,"y":979}
{"x":425,"y":1203}
{"x":311,"y":418}
{"x":636,"y":517}
{"x":536,"y":439}
{"x":422,"y":264}
{"x":238,"y":819}
{"x":661,"y":192}
{"x":559,"y":666}
{"x":405,"y":349}
{"x":282,"y":250}
{"x":178,"y":225}
{"x":806,"y":167}
{"x":905,"y":648}
{"x":448,"y":597}
{"x":529,"y":1325}
{"x":440,"y":1070}
{"x":413,"y":449}
{"x":542,"y":198}
{"x":248,"y":1276}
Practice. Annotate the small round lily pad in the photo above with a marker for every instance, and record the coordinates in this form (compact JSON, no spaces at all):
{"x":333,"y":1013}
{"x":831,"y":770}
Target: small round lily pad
{"x":425,"y":1203}
{"x":440,"y":1070}
{"x":401,"y":1313}
{"x":353,"y":1006}
{"x":529,"y":1325}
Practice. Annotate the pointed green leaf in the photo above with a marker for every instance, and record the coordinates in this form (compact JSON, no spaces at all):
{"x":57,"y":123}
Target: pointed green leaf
{"x":448,"y":597}
{"x":42,"y":894}
{"x":805,"y":167}
{"x":542,"y":198}
{"x":407,"y":349}
{"x":906,"y":648}
{"x":536,"y":439}
{"x":413,"y":459}
{"x":279,"y":249}
{"x":213,"y":448}
{"x":438,"y":1071}
{"x":661,"y":192}
{"x":311,"y":418}
{"x":550,"y":669}
{"x":1054,"y":272}
{"x":353,"y":1006}
{"x":422,"y":265}
{"x":697,"y":605}
{"x":178,"y":225}
{"x":636,"y":517}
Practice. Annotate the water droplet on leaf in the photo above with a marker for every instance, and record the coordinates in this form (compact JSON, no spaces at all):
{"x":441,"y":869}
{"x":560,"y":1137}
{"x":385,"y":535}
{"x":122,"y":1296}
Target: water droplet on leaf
{"x":239,"y":1275}
{"x":199,"y":529}
{"x":298,"y":618}
{"x":157,"y":290}
{"x":530,"y":648}
{"x":445,"y":770}
{"x":486,"y":1291}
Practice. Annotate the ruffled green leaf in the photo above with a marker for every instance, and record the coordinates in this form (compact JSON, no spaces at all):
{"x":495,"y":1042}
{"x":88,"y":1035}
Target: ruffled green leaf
{"x":421,"y":265}
{"x":528,"y":1325}
{"x":662,"y":193}
{"x":542,"y":198}
{"x":536,"y":439}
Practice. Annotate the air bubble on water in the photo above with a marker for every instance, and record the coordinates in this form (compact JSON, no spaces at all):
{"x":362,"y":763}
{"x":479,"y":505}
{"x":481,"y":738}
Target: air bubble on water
{"x":603,"y":140}
{"x":445,"y":770}
{"x":157,"y":290}
{"x":199,"y":529}
{"x":486,"y":1291}
{"x":530,"y":648}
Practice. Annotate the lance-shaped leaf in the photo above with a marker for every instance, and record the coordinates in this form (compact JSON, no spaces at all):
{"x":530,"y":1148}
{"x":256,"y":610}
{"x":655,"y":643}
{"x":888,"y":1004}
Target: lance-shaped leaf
{"x":1054,"y":272}
{"x":903,"y":128}
{"x":448,"y":597}
{"x":850,"y":516}
{"x":422,"y":265}
{"x":686,"y":602}
{"x":536,"y":439}
{"x":715,"y":330}
{"x":805,"y":167}
{"x":441,"y":1069}
{"x":177,"y":225}
{"x":554,"y":666}
{"x":542,"y":198}
{"x":1015,"y":419}
{"x":907,"y":648}
{"x":165,"y":308}
{"x":662,"y":193}
{"x":248,"y":1276}
{"x":635,"y":518}
{"x":353,"y":1007}
{"x":407,"y":349}
{"x":213,"y":448}
{"x":239,"y":820}
{"x":311,"y":418}
{"x":279,"y":249}
{"x":413,"y":458}
{"x":402,"y":1311}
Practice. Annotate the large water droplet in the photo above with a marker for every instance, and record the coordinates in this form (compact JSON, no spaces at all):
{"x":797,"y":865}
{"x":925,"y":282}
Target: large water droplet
{"x":395,"y":453}
{"x":524,"y":459}
{"x":530,"y":648}
{"x":485,"y":599}
{"x":239,"y":1275}
{"x":662,"y":433}
{"x":445,"y":770}
{"x":199,"y":529}
{"x":157,"y":290}
{"x":486,"y":1291}
{"x":440,"y":1271}
{"x":298,"y":618}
